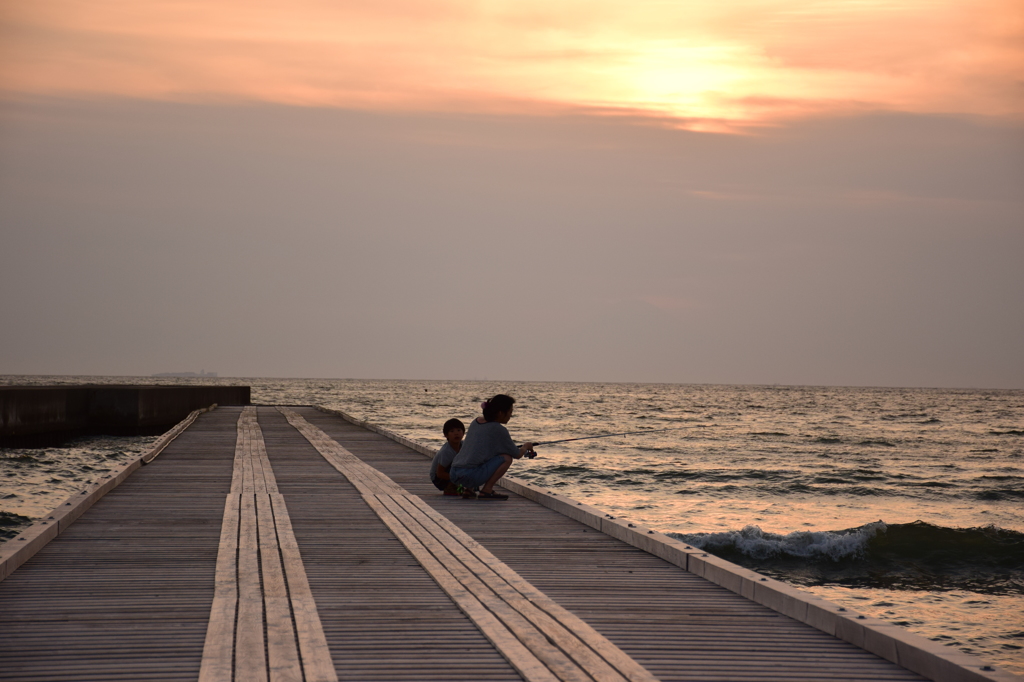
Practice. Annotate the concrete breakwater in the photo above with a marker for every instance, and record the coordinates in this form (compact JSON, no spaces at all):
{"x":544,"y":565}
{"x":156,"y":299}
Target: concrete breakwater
{"x":45,"y":415}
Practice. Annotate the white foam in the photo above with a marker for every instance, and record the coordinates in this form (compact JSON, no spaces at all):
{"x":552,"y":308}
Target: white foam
{"x":757,"y":544}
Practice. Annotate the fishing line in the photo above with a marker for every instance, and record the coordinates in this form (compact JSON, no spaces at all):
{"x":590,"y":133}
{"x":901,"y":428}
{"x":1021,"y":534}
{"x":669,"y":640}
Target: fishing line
{"x":609,"y":435}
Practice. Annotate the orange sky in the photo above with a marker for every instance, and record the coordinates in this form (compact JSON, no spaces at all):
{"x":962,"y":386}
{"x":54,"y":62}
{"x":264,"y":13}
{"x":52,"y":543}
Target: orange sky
{"x":701,"y":64}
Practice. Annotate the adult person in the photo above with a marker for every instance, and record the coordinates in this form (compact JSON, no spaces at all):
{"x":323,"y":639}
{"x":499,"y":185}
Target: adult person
{"x":453,"y":431}
{"x":488,"y":450}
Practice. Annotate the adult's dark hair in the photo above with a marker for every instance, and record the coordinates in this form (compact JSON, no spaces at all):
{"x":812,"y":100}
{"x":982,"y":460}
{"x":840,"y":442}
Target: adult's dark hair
{"x":499,"y":403}
{"x":451,"y":425}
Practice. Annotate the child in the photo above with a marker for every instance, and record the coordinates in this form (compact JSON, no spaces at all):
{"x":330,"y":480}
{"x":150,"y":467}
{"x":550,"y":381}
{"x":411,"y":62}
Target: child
{"x":453,"y":430}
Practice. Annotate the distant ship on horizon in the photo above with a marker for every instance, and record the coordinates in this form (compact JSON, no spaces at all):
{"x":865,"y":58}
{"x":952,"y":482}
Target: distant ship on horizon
{"x":201,"y":373}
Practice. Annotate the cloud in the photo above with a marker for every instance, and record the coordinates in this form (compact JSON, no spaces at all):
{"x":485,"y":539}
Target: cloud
{"x":744,"y":63}
{"x":296,"y":241}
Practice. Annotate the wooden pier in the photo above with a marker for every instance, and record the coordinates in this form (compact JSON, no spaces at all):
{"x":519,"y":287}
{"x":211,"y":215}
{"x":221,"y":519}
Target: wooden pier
{"x":292,"y":544}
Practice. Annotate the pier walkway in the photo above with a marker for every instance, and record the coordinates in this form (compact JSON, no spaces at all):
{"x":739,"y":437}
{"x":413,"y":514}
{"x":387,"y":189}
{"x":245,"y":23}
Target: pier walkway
{"x":289,"y":544}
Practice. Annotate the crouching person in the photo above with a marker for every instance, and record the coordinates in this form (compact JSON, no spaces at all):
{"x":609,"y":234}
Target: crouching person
{"x":453,"y":430}
{"x":488,"y":451}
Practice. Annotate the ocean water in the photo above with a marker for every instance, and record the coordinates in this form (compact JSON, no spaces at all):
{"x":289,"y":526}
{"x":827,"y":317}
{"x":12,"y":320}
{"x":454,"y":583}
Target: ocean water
{"x":905,"y":504}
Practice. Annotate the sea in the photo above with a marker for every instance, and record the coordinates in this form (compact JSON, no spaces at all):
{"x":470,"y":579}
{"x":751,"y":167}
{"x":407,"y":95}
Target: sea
{"x":906,"y":504}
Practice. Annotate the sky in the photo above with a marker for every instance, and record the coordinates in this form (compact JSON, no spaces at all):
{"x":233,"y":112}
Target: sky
{"x":753,"y":192}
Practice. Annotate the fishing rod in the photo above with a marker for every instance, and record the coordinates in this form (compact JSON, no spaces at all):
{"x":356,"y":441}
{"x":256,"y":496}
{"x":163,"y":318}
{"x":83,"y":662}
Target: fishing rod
{"x":605,"y":435}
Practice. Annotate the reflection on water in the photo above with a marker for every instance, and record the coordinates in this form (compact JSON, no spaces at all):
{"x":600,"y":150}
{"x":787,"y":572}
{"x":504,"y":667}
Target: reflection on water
{"x":986,"y":626}
{"x":33,"y":481}
{"x":783,"y":465}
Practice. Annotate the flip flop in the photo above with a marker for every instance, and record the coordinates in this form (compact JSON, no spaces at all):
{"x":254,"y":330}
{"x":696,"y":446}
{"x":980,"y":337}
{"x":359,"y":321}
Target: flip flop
{"x":491,"y":496}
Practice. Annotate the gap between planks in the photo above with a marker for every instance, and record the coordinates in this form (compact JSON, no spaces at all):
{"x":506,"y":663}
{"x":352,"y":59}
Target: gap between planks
{"x":263,"y":622}
{"x":539,"y":638}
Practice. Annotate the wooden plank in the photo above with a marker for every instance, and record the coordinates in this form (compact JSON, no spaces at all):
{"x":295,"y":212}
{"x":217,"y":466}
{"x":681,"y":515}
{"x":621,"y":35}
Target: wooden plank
{"x":676,"y":624}
{"x":125,"y":591}
{"x":38,"y":535}
{"x":873,"y":635}
{"x":567,"y":658}
{"x":282,"y":651}
{"x":250,"y":654}
{"x":366,"y":479}
{"x":175,"y":431}
{"x":252,"y":438}
{"x":269,"y":482}
{"x":383,"y":615}
{"x":316,"y":657}
{"x":220,"y":634}
{"x":519,"y":656}
{"x":63,"y":616}
{"x":598,"y":656}
{"x":369,"y":482}
{"x":245,"y":482}
{"x":273,"y":600}
{"x":259,"y":483}
{"x":551,"y":655}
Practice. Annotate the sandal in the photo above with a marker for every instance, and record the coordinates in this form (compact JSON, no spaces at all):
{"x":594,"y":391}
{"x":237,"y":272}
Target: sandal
{"x":491,"y":496}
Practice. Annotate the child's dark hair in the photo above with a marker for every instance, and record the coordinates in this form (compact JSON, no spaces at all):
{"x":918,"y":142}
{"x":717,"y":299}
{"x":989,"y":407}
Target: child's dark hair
{"x":451,"y":425}
{"x":499,"y":403}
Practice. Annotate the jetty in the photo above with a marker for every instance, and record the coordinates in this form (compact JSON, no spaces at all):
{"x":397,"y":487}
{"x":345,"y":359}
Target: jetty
{"x":295,"y":543}
{"x":34,"y":416}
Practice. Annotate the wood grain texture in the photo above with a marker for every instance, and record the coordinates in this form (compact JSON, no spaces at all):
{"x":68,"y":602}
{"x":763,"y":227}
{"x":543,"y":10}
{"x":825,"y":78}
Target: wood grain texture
{"x":602,"y":660}
{"x":218,"y":650}
{"x":676,"y":624}
{"x":383,"y":615}
{"x":276,"y":616}
{"x":130,"y":590}
{"x":125,"y":592}
{"x":548,"y":652}
{"x":553,"y":643}
{"x":250,"y":655}
{"x":36,"y":536}
{"x":175,"y":431}
{"x":531,"y":662}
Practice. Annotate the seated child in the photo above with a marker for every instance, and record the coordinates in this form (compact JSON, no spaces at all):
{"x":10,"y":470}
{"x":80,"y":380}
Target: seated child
{"x":453,"y":430}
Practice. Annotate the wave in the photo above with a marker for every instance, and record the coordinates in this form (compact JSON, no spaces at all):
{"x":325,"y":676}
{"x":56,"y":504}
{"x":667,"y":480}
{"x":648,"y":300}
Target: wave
{"x":567,"y":469}
{"x":776,"y":482}
{"x":724,"y":475}
{"x":913,"y":556}
{"x":11,"y":524}
{"x":999,"y":494}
